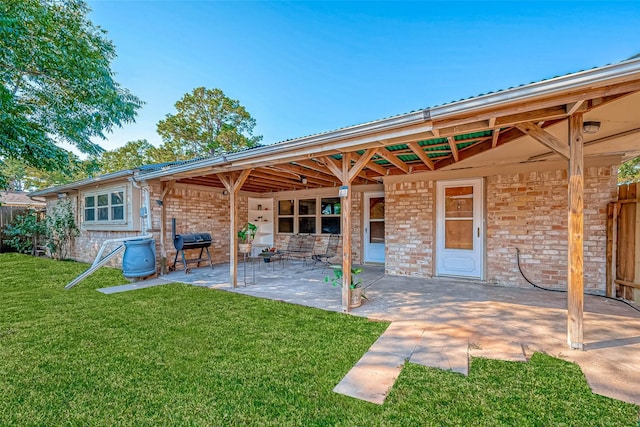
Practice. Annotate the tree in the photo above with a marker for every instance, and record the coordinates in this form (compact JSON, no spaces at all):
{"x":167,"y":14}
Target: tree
{"x":207,"y":122}
{"x":629,"y":171}
{"x":56,"y":83}
{"x":130,"y":156}
{"x":22,"y":177}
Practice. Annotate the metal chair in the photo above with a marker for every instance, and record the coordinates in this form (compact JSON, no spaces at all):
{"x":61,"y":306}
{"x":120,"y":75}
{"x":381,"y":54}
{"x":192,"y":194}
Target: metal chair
{"x":330,"y":252}
{"x":300,"y":247}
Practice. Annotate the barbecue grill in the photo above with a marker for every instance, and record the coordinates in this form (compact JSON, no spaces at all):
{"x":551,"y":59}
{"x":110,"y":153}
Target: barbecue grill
{"x":191,"y":241}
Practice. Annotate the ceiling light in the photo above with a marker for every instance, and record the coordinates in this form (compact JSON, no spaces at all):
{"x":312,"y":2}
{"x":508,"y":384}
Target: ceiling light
{"x":590,"y":127}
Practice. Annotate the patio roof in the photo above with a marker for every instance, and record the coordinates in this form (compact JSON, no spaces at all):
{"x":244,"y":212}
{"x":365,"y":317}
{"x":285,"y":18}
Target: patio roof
{"x":439,"y":138}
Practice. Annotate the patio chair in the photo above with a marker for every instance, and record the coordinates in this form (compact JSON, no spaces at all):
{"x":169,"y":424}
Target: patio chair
{"x":300,"y":247}
{"x":330,"y":252}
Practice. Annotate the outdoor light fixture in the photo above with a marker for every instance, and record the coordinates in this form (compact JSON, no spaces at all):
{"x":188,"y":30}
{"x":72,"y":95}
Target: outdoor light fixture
{"x":303,"y":179}
{"x":590,"y":127}
{"x":225,"y":192}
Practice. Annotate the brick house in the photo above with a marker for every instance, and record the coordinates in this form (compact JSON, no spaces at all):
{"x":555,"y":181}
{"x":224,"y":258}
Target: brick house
{"x":451,"y":190}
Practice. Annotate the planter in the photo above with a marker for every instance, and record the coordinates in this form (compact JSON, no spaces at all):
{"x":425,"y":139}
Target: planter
{"x":356,"y":297}
{"x":244,"y":248}
{"x":267,"y":259}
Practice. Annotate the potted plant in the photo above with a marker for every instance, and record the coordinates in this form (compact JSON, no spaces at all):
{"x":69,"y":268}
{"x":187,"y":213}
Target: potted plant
{"x":356,"y":291}
{"x":245,"y":237}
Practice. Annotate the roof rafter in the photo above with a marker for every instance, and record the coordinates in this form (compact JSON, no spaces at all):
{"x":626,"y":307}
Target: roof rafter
{"x":394,"y":160}
{"x":454,"y":148}
{"x":417,"y":149}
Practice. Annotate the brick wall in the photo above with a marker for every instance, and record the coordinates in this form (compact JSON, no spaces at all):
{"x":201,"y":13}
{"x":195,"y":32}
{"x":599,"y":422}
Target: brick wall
{"x":409,"y":228}
{"x":529,"y":211}
{"x":199,"y":210}
{"x":526,"y":211}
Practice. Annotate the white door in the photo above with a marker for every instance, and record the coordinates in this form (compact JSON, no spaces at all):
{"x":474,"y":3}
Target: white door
{"x":374,"y":227}
{"x":459,"y":228}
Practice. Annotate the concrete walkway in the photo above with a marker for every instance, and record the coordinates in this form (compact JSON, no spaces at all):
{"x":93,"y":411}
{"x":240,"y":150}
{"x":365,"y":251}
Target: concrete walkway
{"x":441,"y":322}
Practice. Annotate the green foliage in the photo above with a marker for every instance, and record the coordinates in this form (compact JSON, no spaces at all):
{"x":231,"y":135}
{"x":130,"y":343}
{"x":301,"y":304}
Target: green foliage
{"x":629,"y":171}
{"x":154,"y":357}
{"x":56,"y":85}
{"x":336,"y":280}
{"x":206,"y":123}
{"x":61,"y":229}
{"x":23,"y":177}
{"x":130,"y":156}
{"x":248,"y":233}
{"x":25,"y":231}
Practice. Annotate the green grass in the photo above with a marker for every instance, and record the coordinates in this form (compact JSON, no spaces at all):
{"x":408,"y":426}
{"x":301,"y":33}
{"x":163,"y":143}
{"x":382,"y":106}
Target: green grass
{"x":182,"y":355}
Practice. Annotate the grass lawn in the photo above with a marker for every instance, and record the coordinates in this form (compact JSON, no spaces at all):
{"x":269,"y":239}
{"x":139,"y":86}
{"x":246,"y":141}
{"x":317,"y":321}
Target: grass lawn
{"x":182,"y":355}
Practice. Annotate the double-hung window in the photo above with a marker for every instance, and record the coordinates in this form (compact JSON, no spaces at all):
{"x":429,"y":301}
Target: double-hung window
{"x":104,"y":207}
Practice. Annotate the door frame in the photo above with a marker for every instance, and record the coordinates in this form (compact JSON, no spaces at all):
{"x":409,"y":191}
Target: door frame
{"x":479,"y":222}
{"x":365,"y":231}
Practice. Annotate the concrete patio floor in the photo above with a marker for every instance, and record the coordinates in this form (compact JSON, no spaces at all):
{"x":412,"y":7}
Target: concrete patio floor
{"x":491,"y":321}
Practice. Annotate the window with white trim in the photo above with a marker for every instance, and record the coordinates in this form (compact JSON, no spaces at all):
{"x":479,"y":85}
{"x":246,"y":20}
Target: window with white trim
{"x":105,"y":207}
{"x":317,"y":215}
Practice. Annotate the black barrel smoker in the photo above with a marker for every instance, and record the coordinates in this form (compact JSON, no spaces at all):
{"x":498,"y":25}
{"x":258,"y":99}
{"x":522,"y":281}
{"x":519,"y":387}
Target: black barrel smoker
{"x":190,"y":241}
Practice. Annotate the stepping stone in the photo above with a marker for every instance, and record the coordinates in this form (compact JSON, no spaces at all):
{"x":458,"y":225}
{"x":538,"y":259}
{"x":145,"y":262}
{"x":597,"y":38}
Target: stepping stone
{"x":372,"y":377}
{"x":442,"y":352}
{"x":489,"y":348}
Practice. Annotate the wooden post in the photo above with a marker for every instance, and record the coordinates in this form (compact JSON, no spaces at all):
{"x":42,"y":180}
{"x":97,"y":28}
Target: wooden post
{"x":166,"y":187}
{"x":346,"y":175}
{"x":232,"y":183}
{"x":346,"y":234}
{"x":575,"y":268}
{"x":612,"y":247}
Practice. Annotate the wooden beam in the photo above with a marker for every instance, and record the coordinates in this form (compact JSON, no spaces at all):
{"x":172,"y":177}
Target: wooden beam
{"x":544,"y":137}
{"x":333,"y":167}
{"x":494,"y":138}
{"x":417,"y":149}
{"x":573,"y":107}
{"x":454,"y":148}
{"x":612,"y":248}
{"x":166,"y":187}
{"x":575,"y":267}
{"x":505,"y":137}
{"x":346,"y":234}
{"x":540,"y":115}
{"x":393,"y":159}
{"x":361,"y":163}
{"x":232,"y":183}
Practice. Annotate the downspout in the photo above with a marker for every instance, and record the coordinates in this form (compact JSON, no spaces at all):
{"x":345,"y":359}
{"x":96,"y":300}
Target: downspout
{"x":145,"y":212}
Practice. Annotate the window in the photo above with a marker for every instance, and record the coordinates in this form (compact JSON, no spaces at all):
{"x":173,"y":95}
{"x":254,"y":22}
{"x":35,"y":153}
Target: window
{"x":330,"y":215}
{"x":285,"y":216}
{"x":309,"y":216}
{"x":105,"y":207}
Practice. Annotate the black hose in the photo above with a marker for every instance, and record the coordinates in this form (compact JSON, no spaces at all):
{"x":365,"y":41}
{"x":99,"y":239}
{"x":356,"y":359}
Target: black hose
{"x":564,"y":290}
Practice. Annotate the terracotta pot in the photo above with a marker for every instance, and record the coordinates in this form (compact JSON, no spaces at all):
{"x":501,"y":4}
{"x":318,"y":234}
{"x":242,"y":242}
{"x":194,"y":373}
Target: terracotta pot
{"x":356,"y":297}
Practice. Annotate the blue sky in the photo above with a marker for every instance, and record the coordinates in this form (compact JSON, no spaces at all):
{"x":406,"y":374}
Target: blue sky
{"x":306,"y":67}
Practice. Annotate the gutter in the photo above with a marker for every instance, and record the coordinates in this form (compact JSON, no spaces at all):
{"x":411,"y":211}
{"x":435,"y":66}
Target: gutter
{"x":589,"y":78}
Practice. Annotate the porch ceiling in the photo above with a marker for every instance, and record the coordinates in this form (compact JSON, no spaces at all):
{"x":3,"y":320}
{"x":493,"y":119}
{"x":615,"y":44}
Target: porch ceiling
{"x":486,"y":137}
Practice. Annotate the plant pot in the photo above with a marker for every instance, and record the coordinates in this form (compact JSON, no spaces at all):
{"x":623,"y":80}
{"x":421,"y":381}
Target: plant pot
{"x":267,"y":259}
{"x":244,"y":248}
{"x":356,"y":297}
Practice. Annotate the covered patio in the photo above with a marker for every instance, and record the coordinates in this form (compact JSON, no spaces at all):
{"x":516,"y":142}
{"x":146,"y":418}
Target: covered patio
{"x":491,"y":320}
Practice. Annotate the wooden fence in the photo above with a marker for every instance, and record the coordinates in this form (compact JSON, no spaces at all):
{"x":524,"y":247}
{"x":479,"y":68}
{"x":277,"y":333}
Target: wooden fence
{"x":623,"y":244}
{"x":7,"y":215}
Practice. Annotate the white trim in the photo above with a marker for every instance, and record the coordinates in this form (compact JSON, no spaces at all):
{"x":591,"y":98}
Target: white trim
{"x":478,"y":255}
